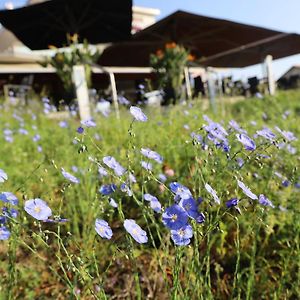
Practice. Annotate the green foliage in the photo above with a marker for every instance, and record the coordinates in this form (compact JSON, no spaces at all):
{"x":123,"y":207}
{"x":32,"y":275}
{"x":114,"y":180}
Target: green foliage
{"x":254,"y":254}
{"x":64,"y":60}
{"x":169,"y":67}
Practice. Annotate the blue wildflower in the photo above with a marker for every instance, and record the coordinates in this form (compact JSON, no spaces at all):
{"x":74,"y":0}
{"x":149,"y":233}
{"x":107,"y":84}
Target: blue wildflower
{"x":232,"y":202}
{"x":190,"y":206}
{"x":114,"y":165}
{"x":247,"y":190}
{"x":175,"y":217}
{"x":131,"y":178}
{"x":102,"y":171}
{"x":240,"y":162}
{"x":151,"y":155}
{"x":113,"y":203}
{"x":4,"y":233}
{"x":288,"y":135}
{"x":12,"y":213}
{"x":38,"y":209}
{"x":88,"y":123}
{"x":107,"y":189}
{"x":125,"y":189}
{"x":211,"y":191}
{"x":103,"y":229}
{"x":9,"y":197}
{"x":200,"y":218}
{"x":180,"y":191}
{"x":136,"y":231}
{"x":146,"y":165}
{"x":246,"y":141}
{"x":154,"y":203}
{"x":182,"y":236}
{"x":3,"y":176}
{"x":137,"y":113}
{"x":162,"y":177}
{"x":234,"y":125}
{"x":36,"y":138}
{"x":56,"y":220}
{"x":63,"y":124}
{"x":285,"y":183}
{"x":267,"y":134}
{"x":69,"y":176}
{"x":263,"y":200}
{"x":80,"y":130}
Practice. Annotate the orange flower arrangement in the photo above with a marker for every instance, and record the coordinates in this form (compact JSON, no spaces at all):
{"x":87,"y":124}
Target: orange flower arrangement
{"x":171,"y":45}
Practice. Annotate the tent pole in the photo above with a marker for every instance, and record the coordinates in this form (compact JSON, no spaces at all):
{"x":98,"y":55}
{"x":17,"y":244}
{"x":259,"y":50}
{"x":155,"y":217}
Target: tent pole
{"x":211,"y":90}
{"x":114,"y":93}
{"x":269,"y":73}
{"x":82,"y":92}
{"x":187,"y":83}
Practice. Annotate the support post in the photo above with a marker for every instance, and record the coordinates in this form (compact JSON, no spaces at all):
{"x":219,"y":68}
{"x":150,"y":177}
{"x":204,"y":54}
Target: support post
{"x":82,"y":93}
{"x":114,"y":93}
{"x":187,"y":83}
{"x":211,"y":90}
{"x":270,"y":75}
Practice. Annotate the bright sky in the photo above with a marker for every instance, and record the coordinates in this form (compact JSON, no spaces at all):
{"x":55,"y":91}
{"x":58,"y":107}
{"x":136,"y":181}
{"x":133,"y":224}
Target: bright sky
{"x":282,"y":15}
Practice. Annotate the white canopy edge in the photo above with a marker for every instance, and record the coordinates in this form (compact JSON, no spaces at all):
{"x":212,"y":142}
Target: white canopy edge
{"x":37,"y":69}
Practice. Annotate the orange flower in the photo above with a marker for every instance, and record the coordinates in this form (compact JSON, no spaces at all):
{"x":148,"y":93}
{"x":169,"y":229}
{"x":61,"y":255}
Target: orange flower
{"x":170,"y":45}
{"x":191,"y":57}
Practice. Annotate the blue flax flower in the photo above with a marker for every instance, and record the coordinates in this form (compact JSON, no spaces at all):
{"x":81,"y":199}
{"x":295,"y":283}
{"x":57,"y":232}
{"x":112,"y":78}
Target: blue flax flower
{"x":107,"y":189}
{"x":88,"y":123}
{"x":38,"y":209}
{"x":103,"y":229}
{"x":113,"y":203}
{"x":69,"y":176}
{"x":246,"y":141}
{"x":4,"y":233}
{"x":182,"y":236}
{"x":191,"y":207}
{"x":9,"y":197}
{"x":175,"y":217}
{"x":114,"y":165}
{"x":247,"y":190}
{"x":213,"y":193}
{"x":136,"y":231}
{"x":267,"y":134}
{"x":12,"y":213}
{"x":151,"y":154}
{"x":154,"y":203}
{"x":138,"y":114}
{"x":232,"y":202}
{"x":3,"y":176}
{"x":80,"y":130}
{"x":125,"y":189}
{"x":180,"y":191}
{"x":146,"y":165}
{"x":263,"y":200}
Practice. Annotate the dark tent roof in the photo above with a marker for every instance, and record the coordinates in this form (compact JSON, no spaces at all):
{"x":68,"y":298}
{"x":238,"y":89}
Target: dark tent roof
{"x":205,"y":37}
{"x":48,"y":23}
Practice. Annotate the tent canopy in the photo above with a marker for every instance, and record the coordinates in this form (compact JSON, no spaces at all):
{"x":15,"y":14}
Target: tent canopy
{"x":206,"y":38}
{"x":48,"y":23}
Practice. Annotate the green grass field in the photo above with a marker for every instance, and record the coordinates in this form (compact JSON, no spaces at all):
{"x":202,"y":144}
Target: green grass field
{"x":248,"y":251}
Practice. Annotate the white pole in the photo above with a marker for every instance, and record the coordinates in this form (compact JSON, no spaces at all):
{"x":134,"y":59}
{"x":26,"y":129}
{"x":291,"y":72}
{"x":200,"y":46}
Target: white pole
{"x":211,"y":89}
{"x":114,"y":93}
{"x":270,"y":74}
{"x":82,"y":92}
{"x":187,"y":83}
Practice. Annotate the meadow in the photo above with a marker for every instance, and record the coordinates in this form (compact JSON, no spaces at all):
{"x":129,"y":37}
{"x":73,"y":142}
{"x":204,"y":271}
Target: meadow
{"x":184,"y":205}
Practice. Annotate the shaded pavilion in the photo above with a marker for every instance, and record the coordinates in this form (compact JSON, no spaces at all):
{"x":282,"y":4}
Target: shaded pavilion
{"x":214,"y":42}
